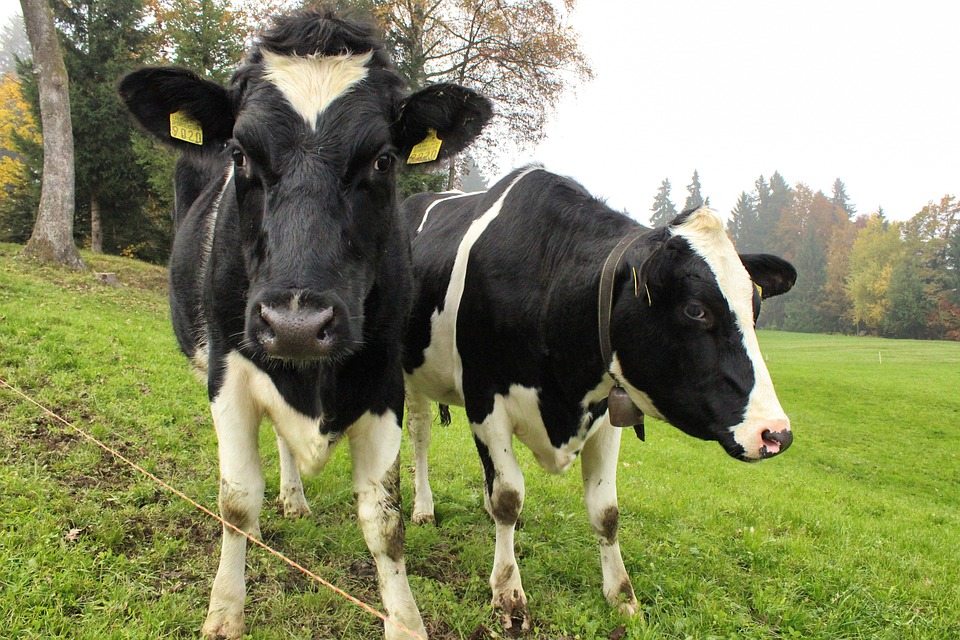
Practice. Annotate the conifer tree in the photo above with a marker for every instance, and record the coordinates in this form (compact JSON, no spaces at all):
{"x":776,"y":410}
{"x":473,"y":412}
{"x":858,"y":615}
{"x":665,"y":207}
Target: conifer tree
{"x":742,"y":225}
{"x":663,"y":208}
{"x":841,"y":199}
{"x":694,"y":197}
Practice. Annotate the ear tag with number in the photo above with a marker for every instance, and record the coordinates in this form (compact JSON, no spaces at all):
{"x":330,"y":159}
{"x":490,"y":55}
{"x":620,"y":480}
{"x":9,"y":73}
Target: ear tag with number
{"x":183,"y":127}
{"x":623,"y":413}
{"x":427,"y":150}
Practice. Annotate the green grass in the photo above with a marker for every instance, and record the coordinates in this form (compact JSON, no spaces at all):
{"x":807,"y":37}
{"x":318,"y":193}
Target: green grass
{"x":851,"y":534}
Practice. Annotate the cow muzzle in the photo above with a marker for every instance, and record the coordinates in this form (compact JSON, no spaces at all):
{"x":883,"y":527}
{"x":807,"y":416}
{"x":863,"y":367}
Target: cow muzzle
{"x":298,"y":332}
{"x":763,"y":439}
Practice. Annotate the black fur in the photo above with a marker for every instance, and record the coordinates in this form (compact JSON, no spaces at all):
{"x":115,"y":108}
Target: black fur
{"x":306,"y":212}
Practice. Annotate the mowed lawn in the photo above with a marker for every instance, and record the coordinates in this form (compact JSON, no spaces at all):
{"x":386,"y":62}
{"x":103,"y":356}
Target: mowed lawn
{"x":853,"y":533}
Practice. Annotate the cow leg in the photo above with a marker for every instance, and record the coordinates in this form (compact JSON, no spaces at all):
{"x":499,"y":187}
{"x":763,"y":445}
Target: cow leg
{"x":503,"y":499}
{"x":291,"y":496}
{"x":419,"y":422}
{"x":237,"y":420}
{"x":599,"y":468}
{"x":375,"y":449}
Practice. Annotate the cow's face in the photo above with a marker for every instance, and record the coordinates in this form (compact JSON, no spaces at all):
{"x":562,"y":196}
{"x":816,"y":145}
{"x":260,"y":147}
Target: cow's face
{"x":686,"y":345}
{"x":314,"y":124}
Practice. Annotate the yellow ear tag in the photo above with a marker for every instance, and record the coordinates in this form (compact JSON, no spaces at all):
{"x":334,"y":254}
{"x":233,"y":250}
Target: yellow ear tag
{"x":759,"y":289}
{"x":183,"y":127}
{"x":427,"y":149}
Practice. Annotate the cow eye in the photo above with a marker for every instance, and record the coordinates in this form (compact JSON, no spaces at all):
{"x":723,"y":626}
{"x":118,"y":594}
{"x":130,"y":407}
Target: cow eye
{"x":239,"y":158}
{"x":383,"y":163}
{"x":695,"y":311}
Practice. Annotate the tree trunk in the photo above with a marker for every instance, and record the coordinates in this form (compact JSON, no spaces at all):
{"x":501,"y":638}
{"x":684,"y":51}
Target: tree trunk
{"x":453,"y":176}
{"x":52,"y":238}
{"x":96,"y":225}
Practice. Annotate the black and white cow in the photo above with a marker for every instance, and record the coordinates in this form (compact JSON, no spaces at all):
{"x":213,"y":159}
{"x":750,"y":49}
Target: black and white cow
{"x":506,"y":323}
{"x":290,"y":272}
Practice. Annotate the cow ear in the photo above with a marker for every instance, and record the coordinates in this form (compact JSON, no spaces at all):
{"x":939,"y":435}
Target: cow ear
{"x":202,"y":111}
{"x":773,"y":275}
{"x":455,"y":113}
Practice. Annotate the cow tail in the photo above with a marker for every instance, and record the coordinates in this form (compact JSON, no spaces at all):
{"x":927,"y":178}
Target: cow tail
{"x":444,"y":414}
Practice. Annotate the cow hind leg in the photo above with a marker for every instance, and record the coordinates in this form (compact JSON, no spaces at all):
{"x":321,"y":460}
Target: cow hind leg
{"x":375,"y":449}
{"x":503,"y":499}
{"x":599,"y":468}
{"x":291,"y":497}
{"x":419,"y":424}
{"x":241,"y":497}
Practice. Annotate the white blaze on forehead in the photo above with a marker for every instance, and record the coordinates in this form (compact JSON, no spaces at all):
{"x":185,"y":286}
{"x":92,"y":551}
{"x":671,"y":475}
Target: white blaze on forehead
{"x":704,"y":232}
{"x":311,"y":83}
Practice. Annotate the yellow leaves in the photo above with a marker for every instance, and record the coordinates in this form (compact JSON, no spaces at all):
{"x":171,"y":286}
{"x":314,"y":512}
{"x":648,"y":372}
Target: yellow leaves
{"x":15,"y":117}
{"x":873,"y":256}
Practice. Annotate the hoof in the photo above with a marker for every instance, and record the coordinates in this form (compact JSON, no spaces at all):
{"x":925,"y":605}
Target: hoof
{"x":293,"y":504}
{"x":514,"y":615}
{"x":624,"y":599}
{"x":423,"y":518}
{"x":390,"y":632}
{"x":221,"y":625}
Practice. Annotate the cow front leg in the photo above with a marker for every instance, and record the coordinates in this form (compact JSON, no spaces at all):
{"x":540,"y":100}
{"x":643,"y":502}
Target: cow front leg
{"x":241,"y":497}
{"x":503,"y":499}
{"x":419,"y":423}
{"x":599,"y":467}
{"x":291,"y":496}
{"x":375,"y":449}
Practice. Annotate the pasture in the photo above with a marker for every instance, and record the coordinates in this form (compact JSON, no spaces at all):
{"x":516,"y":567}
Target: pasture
{"x":853,"y":533}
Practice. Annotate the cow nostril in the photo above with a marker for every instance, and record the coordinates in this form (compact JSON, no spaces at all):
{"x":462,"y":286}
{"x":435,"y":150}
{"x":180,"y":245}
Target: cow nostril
{"x":776,"y":441}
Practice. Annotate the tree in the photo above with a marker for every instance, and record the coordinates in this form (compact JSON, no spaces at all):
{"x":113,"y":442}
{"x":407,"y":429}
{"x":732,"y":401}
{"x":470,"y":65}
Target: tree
{"x":52,"y":237}
{"x":836,"y":307}
{"x":876,"y":250}
{"x":206,"y":36}
{"x":663,"y":209}
{"x":742,"y":225}
{"x":909,"y":307}
{"x":18,"y":184}
{"x":694,"y":198}
{"x":14,"y":44}
{"x":952,"y":275}
{"x":802,"y":306}
{"x":773,"y":199}
{"x":522,"y":54}
{"x":841,"y":199}
{"x":102,"y":39}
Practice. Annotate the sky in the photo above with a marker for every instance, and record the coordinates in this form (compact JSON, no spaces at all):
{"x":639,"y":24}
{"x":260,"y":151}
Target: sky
{"x":868,"y":92}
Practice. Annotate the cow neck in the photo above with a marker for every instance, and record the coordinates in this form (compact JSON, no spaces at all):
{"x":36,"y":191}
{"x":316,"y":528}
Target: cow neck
{"x":620,"y":408}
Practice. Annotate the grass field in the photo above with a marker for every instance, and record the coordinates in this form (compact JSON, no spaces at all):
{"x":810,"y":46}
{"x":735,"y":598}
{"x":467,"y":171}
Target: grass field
{"x":854,"y":533}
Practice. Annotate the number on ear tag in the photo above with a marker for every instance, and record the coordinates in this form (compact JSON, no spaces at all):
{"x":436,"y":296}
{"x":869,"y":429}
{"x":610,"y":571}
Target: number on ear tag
{"x":183,"y":127}
{"x":427,"y":150}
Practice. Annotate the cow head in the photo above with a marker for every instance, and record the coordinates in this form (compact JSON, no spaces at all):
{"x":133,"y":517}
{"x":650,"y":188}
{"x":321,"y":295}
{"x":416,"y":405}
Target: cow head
{"x":684,"y":338}
{"x":310,"y":132}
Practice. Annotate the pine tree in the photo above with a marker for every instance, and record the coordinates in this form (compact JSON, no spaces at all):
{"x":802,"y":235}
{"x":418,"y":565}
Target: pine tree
{"x":694,"y":198}
{"x":102,"y":40}
{"x":742,"y":225}
{"x":773,"y":199}
{"x":802,"y":305}
{"x":663,"y":209}
{"x":841,"y":199}
{"x":205,"y":36}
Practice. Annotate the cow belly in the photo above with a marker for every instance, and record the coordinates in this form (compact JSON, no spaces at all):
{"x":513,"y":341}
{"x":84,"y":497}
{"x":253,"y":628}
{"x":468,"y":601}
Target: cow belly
{"x":522,"y":405}
{"x":310,"y":448}
{"x":440,"y":376}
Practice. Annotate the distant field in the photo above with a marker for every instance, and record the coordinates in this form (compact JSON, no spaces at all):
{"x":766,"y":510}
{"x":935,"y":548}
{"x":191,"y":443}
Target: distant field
{"x":853,"y":533}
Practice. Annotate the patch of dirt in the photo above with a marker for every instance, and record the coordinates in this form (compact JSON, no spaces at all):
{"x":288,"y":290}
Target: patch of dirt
{"x":443,"y":565}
